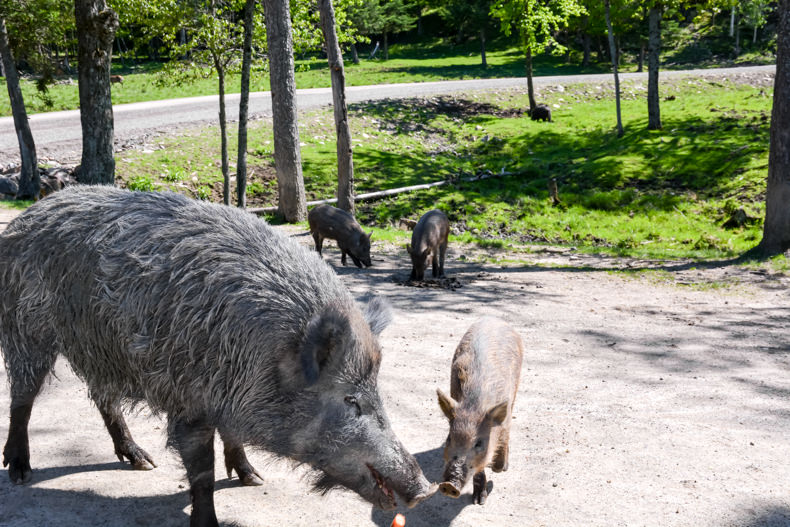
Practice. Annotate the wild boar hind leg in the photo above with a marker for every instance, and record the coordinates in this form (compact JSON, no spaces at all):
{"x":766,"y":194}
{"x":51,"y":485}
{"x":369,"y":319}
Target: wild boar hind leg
{"x":194,"y":441}
{"x":24,"y":389}
{"x":125,"y":447}
{"x":500,"y":461}
{"x":236,"y":459}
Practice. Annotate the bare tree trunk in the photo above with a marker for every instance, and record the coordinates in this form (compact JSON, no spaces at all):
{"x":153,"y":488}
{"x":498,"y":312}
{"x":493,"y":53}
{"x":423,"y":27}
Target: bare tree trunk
{"x":776,"y":230}
{"x":345,"y":157}
{"x":732,"y":21}
{"x":614,"y":67}
{"x":287,"y":156}
{"x":737,"y":38}
{"x":586,"y":47}
{"x":483,"y":47}
{"x":654,"y":47}
{"x":96,"y":26}
{"x":244,"y":105}
{"x":640,"y":66}
{"x":754,"y":37}
{"x":223,"y":132}
{"x":386,"y":47}
{"x":530,"y":87}
{"x":29,"y":181}
{"x":354,"y":54}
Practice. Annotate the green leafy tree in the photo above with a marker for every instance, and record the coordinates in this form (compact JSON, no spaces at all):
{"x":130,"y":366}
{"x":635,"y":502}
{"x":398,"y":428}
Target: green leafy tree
{"x":537,"y":23}
{"x":395,"y":18}
{"x":468,"y":16}
{"x":202,"y":38}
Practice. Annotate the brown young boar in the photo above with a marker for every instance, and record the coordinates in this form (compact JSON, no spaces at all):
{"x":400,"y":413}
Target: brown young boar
{"x":330,"y":222}
{"x":483,"y":386}
{"x":429,"y":238}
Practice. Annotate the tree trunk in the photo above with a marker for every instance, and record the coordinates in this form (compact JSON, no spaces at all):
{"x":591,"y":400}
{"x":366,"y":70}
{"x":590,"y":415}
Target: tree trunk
{"x":653,"y":49}
{"x":732,"y":21}
{"x":640,"y":66}
{"x":737,"y":38}
{"x":29,"y":182}
{"x":244,"y":105}
{"x":530,"y":87}
{"x":354,"y":54}
{"x":776,"y":230}
{"x":223,"y":132}
{"x":386,"y":47}
{"x":287,"y":156}
{"x":483,"y":47}
{"x":586,"y":47}
{"x":345,"y":158}
{"x":96,"y":26}
{"x":614,"y":67}
{"x":754,"y":37}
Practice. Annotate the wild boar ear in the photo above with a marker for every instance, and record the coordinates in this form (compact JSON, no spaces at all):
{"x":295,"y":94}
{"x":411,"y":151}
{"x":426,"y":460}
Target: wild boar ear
{"x":447,"y":404}
{"x":323,"y":335}
{"x":370,"y":234}
{"x":378,"y":313}
{"x":498,"y":413}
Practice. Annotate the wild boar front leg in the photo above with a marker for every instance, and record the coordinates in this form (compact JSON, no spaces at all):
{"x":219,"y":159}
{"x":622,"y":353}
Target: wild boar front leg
{"x":479,"y":492}
{"x":500,"y":461}
{"x":236,"y":459}
{"x":194,"y":441}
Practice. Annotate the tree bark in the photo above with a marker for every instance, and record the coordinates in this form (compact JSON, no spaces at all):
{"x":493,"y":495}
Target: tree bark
{"x":354,"y":54}
{"x":96,"y":26}
{"x":653,"y":50}
{"x":640,"y":65}
{"x":345,"y":156}
{"x":737,"y":38}
{"x":244,"y":105}
{"x":614,"y":67}
{"x":776,"y":230}
{"x":223,"y":132}
{"x":586,"y":47}
{"x":530,"y":87}
{"x":29,"y":180}
{"x":287,"y":156}
{"x":483,"y":47}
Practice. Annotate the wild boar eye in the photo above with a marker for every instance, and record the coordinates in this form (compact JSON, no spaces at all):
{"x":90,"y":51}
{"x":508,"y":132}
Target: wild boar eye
{"x":352,"y":401}
{"x":479,"y":444}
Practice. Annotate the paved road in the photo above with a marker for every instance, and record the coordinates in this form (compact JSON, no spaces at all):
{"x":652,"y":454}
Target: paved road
{"x":58,"y":134}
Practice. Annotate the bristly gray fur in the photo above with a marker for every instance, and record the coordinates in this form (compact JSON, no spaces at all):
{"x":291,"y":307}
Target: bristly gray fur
{"x":187,"y":305}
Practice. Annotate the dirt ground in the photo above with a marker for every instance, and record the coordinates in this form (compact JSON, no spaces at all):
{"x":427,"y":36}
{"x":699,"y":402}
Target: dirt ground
{"x":643,"y":401}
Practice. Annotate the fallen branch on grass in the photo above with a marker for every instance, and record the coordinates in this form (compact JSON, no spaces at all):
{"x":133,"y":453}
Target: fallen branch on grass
{"x":369,"y":196}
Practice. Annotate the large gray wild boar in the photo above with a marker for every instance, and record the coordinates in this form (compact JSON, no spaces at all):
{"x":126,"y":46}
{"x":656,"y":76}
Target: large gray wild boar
{"x":483,"y":385}
{"x":330,"y":222}
{"x":429,"y":238}
{"x":209,"y":315}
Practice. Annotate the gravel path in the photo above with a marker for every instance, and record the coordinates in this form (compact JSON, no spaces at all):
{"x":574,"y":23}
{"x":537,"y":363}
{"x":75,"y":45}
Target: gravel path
{"x":642,"y":402}
{"x":58,"y":134}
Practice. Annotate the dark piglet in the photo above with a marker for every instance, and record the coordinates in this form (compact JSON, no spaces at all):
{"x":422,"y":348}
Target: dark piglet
{"x":483,"y":386}
{"x":336,"y":224}
{"x":541,"y":113}
{"x":211,"y":317}
{"x":429,"y":238}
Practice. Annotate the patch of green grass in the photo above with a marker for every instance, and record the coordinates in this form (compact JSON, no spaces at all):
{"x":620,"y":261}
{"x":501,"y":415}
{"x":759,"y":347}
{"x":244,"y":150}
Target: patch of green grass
{"x":141,"y":184}
{"x":16,"y":204}
{"x":650,"y":194}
